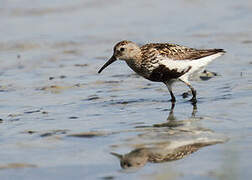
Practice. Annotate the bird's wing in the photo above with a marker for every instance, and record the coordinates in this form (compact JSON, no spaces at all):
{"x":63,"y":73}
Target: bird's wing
{"x":177,"y":52}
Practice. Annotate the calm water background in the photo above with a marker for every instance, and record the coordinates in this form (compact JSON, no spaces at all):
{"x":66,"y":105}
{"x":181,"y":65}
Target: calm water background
{"x":50,"y":52}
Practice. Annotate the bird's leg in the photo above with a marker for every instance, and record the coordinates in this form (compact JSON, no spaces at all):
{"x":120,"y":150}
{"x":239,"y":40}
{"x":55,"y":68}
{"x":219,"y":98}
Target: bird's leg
{"x":193,"y":100}
{"x":173,"y":99}
{"x":194,"y":110}
{"x":171,"y":114}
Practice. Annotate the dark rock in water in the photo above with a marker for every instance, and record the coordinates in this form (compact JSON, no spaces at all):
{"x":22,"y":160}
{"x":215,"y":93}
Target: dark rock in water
{"x":62,"y":77}
{"x":47,"y":133}
{"x":81,"y":65}
{"x":206,"y":75}
{"x":92,"y":97}
{"x":30,"y":132}
{"x":90,"y":134}
{"x":53,"y":132}
{"x":108,"y":177}
{"x":186,"y":94}
{"x":32,"y":111}
{"x":73,"y":117}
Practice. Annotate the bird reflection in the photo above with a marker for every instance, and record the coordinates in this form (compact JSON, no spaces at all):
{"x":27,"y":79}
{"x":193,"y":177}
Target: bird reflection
{"x":171,"y":114}
{"x":166,"y":144}
{"x":171,"y":119}
{"x":140,"y":156}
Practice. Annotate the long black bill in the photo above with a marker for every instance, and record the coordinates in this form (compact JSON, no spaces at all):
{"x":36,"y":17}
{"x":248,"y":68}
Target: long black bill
{"x":110,"y":61}
{"x":119,"y":156}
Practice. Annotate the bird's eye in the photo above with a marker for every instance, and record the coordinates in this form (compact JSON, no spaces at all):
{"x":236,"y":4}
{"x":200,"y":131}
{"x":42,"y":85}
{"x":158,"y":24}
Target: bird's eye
{"x":122,"y":49}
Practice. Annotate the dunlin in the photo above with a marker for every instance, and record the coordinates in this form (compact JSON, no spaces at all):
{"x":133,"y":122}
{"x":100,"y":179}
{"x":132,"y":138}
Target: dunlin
{"x":164,"y":62}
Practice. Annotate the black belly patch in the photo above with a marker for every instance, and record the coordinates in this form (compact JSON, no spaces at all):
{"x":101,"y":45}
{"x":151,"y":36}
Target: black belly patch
{"x":163,"y":73}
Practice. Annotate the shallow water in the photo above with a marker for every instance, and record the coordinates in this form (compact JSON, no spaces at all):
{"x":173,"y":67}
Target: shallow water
{"x":52,"y":97}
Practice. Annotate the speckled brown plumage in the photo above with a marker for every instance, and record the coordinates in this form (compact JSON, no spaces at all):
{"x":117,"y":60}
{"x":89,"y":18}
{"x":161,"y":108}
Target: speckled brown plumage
{"x":178,"y":153}
{"x":122,"y":43}
{"x":177,"y":52}
{"x":139,"y":157}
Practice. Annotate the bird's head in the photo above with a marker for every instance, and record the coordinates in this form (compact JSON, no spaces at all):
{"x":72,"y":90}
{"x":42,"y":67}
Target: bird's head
{"x":124,"y":50}
{"x":135,"y":159}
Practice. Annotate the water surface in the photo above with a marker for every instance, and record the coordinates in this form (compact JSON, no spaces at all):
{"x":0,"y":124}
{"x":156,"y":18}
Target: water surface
{"x":52,"y":97}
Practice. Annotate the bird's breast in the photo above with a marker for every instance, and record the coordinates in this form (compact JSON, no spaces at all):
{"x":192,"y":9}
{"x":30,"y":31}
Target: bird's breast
{"x":136,"y":67}
{"x":157,"y":72}
{"x":163,"y":73}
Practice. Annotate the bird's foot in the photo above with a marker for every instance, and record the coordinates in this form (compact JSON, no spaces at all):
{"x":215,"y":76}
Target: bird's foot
{"x":193,"y":100}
